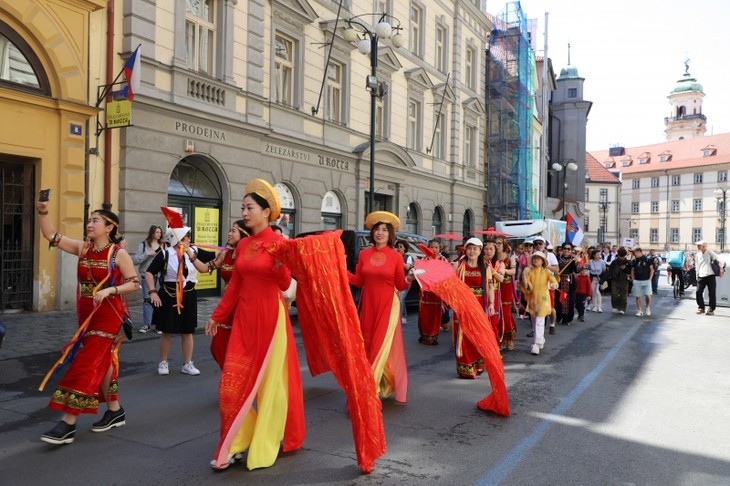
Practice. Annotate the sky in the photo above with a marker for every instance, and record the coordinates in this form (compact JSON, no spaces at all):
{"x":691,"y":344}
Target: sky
{"x":631,"y":54}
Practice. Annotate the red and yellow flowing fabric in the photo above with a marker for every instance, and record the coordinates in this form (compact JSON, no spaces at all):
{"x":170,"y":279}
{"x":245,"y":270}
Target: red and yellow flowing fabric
{"x":219,"y":342}
{"x":439,"y":278}
{"x":379,"y":274}
{"x":261,"y":362}
{"x":331,"y":334}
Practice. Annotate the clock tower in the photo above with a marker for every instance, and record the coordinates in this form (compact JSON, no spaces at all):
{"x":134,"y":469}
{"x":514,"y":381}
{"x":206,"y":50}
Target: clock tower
{"x":685,"y":119}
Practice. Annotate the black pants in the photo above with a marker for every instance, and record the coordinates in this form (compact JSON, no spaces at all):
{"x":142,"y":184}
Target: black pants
{"x":678,"y":273}
{"x":708,"y":282}
{"x":580,"y":304}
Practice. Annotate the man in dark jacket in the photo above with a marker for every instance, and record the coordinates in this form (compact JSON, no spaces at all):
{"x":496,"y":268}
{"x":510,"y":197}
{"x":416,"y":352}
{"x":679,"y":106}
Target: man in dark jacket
{"x":619,"y":271}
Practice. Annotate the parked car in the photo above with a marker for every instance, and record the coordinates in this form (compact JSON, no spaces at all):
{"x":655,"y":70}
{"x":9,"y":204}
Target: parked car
{"x":356,"y":240}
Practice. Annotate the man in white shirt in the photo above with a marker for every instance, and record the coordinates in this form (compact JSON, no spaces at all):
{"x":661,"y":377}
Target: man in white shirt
{"x":706,"y":277}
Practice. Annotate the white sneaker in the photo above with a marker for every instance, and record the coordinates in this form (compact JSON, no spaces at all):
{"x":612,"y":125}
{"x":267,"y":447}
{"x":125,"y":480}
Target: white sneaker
{"x":648,"y":311}
{"x":163,"y":368}
{"x":621,"y":312}
{"x":535,"y":349}
{"x":600,"y":310}
{"x":614,"y":310}
{"x":190,"y":369}
{"x":639,"y":314}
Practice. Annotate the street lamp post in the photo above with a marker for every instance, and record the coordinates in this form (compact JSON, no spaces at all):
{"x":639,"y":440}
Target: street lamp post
{"x":562,"y":167}
{"x":368,"y":44}
{"x":721,"y":196}
{"x":603,"y":206}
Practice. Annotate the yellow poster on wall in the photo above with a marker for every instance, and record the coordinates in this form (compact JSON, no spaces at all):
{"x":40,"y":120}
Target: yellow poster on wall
{"x":206,"y":232}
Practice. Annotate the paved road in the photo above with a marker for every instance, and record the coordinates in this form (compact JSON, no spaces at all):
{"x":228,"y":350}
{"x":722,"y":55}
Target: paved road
{"x":615,"y":400}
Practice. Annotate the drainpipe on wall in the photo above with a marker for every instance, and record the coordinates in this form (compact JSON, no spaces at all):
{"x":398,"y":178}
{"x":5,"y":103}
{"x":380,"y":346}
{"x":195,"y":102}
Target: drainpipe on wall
{"x":109,"y":79}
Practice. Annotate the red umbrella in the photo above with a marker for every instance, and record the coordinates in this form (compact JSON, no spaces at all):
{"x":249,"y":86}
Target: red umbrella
{"x":450,"y":236}
{"x":492,"y":232}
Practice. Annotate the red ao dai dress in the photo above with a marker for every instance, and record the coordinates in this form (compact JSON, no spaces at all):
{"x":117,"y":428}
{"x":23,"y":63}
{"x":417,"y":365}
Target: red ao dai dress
{"x":469,"y":363}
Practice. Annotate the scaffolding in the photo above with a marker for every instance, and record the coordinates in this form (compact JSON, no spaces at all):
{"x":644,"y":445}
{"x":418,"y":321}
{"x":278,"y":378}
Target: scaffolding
{"x":510,"y":89}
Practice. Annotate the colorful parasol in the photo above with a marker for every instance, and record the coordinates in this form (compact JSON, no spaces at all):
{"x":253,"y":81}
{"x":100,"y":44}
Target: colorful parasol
{"x":492,"y":233}
{"x":438,"y":277}
{"x":450,"y":236}
{"x":428,"y":252}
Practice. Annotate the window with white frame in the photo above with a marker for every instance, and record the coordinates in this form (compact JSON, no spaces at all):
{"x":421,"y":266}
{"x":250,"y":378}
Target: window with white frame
{"x":720,"y":235}
{"x":654,"y":206}
{"x":414,"y":124}
{"x":284,"y":69}
{"x":634,"y":207}
{"x":636,"y":183}
{"x":586,"y":223}
{"x":381,"y":125}
{"x":696,"y":234}
{"x":721,"y":176}
{"x":442,"y":48}
{"x":674,"y":235}
{"x":416,"y":31}
{"x":676,"y":180}
{"x":334,"y":108}
{"x":572,"y":92}
{"x":698,"y":178}
{"x":654,"y":182}
{"x":675,"y":205}
{"x":382,"y":6}
{"x":470,"y":146}
{"x":200,"y":35}
{"x":439,"y":136}
{"x":469,"y":67}
{"x":697,"y":205}
{"x":653,"y":235}
{"x":634,"y":233}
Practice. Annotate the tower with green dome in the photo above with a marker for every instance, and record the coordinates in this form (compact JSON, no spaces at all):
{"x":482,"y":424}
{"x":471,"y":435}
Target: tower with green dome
{"x":685,"y":119}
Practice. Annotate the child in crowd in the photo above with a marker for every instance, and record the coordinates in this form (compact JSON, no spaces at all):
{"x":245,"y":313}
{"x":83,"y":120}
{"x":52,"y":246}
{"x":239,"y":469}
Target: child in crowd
{"x":537,"y":280}
{"x":583,"y":292}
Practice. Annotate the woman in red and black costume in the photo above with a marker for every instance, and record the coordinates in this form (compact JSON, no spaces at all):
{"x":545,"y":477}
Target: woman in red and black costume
{"x":224,"y":263}
{"x":507,"y":293}
{"x":431,"y":308}
{"x":380,"y":275}
{"x":105,"y":273}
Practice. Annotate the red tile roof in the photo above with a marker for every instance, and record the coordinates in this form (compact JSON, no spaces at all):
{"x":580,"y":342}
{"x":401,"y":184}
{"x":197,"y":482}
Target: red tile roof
{"x":596,"y":172}
{"x":683,"y":154}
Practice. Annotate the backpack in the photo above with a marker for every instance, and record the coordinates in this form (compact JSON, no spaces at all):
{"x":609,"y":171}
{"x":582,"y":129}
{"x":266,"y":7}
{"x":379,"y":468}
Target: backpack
{"x":675,"y":259}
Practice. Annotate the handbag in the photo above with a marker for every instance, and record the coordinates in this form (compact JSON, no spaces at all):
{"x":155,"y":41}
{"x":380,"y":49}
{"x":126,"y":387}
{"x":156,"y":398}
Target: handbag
{"x":127,"y":326}
{"x":716,"y":268}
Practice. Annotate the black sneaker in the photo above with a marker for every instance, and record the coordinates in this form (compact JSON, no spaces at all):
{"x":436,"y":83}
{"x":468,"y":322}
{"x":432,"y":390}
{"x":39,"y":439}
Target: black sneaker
{"x":551,"y":330}
{"x":109,"y":421}
{"x":62,"y":433}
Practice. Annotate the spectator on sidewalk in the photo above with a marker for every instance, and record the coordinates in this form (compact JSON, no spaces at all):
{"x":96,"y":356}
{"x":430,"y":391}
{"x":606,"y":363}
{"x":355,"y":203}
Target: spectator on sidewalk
{"x":620,"y":273}
{"x":105,"y":273}
{"x":642,"y":272}
{"x":704,"y":259}
{"x":657,"y":263}
{"x":597,"y":271}
{"x":146,"y":251}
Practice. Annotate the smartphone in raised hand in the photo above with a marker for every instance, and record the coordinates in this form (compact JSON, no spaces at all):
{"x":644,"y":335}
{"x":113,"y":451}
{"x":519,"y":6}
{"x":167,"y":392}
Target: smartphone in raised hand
{"x":44,"y":195}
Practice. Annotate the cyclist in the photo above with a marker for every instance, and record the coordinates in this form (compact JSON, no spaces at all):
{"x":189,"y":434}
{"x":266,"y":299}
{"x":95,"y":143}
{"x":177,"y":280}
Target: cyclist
{"x":675,"y":259}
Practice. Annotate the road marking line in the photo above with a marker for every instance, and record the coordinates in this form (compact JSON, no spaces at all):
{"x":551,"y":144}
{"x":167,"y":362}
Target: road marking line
{"x":500,"y":471}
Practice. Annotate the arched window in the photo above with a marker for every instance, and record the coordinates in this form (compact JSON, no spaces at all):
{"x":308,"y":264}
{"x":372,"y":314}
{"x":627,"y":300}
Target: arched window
{"x":331,"y":211}
{"x":412,"y":218}
{"x":466,"y":226}
{"x":194,"y":177}
{"x":438,"y":220}
{"x":287,"y":219}
{"x":20,"y":68}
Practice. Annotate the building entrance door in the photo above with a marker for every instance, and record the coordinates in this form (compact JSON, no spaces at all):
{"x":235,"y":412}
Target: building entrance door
{"x":16,"y":234}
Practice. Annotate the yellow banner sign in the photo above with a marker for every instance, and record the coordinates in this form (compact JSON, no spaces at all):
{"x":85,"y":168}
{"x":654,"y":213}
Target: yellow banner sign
{"x":118,"y":114}
{"x":206,"y":232}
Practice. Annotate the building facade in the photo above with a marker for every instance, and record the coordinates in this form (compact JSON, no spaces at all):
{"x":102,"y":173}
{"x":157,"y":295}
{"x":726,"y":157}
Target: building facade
{"x":232,"y":90}
{"x":47,"y":121}
{"x":601,"y":221}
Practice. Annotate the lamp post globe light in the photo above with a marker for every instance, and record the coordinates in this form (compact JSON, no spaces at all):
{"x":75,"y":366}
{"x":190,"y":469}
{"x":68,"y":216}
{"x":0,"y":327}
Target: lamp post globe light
{"x":367,"y":44}
{"x":721,"y":196}
{"x":561,"y":167}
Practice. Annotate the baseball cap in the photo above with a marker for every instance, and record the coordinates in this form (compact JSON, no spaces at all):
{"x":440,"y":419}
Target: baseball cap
{"x":474,"y":241}
{"x":701,"y":242}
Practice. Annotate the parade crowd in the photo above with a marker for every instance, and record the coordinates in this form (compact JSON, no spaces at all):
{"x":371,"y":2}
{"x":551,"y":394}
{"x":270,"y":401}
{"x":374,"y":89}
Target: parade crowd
{"x":260,"y":391}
